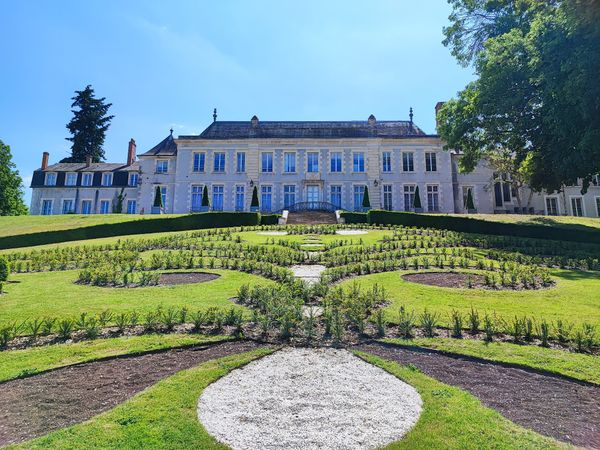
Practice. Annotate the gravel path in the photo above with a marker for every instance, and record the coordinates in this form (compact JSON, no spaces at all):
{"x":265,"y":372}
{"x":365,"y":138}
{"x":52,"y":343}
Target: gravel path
{"x":272,"y":233}
{"x":311,"y":273}
{"x":351,"y":232}
{"x":309,"y":399}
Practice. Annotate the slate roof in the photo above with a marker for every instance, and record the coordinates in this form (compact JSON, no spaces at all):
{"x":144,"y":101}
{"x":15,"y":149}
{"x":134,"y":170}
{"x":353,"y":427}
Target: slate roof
{"x":219,"y":130}
{"x":166,"y":147}
{"x":94,"y":167}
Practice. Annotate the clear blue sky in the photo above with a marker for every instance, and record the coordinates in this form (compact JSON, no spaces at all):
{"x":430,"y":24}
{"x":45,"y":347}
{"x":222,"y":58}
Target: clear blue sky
{"x":166,"y":64}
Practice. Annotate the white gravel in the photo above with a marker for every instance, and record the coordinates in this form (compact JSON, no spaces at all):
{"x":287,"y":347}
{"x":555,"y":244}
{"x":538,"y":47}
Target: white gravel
{"x":309,"y":399}
{"x":351,"y":232}
{"x":272,"y":233}
{"x":311,"y":273}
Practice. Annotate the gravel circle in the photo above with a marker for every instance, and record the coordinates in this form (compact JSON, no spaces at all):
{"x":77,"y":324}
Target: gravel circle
{"x":272,"y":233}
{"x":301,"y":398}
{"x":351,"y":232}
{"x":311,"y":273}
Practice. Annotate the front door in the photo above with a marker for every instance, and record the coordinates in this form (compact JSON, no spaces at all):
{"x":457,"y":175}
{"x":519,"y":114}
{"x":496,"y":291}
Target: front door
{"x":313,"y":196}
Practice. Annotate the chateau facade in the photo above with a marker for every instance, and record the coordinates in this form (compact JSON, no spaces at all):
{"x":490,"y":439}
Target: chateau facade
{"x":288,"y":163}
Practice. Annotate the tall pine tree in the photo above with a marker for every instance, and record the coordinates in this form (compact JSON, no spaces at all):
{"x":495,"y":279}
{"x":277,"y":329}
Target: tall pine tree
{"x":11,"y":185}
{"x":88,"y":126}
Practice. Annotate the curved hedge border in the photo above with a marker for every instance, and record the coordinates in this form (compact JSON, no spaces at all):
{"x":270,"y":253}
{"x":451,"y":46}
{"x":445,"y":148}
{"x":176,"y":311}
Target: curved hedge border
{"x":142,"y":226}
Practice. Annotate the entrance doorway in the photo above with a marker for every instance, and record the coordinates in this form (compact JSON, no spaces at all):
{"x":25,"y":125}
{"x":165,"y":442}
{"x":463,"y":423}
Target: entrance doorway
{"x":313,"y":195}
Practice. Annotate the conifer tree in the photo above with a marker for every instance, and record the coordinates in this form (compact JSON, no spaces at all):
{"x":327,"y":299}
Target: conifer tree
{"x":417,"y":199}
{"x":205,"y":201}
{"x":254,"y":202}
{"x":366,"y":203}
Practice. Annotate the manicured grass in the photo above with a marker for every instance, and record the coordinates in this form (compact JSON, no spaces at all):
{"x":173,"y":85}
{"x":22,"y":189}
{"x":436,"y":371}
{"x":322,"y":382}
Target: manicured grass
{"x":17,"y":363}
{"x":55,"y":294}
{"x":163,"y":416}
{"x":552,"y":221}
{"x":454,"y":419}
{"x":575,"y":297}
{"x":575,"y":365}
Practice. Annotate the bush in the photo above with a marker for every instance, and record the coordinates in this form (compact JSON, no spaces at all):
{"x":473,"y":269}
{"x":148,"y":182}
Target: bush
{"x":269,"y":219}
{"x":4,"y":269}
{"x":353,"y":217}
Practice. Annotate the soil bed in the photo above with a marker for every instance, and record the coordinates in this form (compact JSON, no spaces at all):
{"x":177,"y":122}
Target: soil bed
{"x":456,"y":280}
{"x":174,"y":278}
{"x":550,"y":405}
{"x":37,"y":405}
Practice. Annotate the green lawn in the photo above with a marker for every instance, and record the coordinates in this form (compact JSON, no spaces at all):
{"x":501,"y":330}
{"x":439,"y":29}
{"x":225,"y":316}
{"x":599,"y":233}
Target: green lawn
{"x":55,"y":294}
{"x":526,"y":219}
{"x":575,"y":365}
{"x":17,"y":363}
{"x":575,"y":297}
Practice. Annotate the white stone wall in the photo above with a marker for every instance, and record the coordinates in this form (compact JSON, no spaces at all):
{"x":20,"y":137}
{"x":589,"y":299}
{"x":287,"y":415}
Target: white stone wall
{"x":94,"y":194}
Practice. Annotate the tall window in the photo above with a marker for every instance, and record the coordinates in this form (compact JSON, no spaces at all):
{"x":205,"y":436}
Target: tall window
{"x":68,"y":206}
{"x":598,"y":206}
{"x":219,"y":162}
{"x":267,"y":162}
{"x":46,"y":207}
{"x":50,"y":179}
{"x":134,"y":178}
{"x":577,"y":206}
{"x":335,"y":159}
{"x":387,"y":161}
{"x":289,"y":162}
{"x":107,"y":179}
{"x":162,"y":166}
{"x":465,"y":195}
{"x":552,"y":206}
{"x":433,"y":198}
{"x":241,"y":162}
{"x":199,"y":162}
{"x":239,"y":198}
{"x":359,"y":193}
{"x":409,"y":196}
{"x":86,"y":179}
{"x":86,"y":207}
{"x":131,"y":206}
{"x":217,"y":203}
{"x":71,"y":179}
{"x":408,"y":163}
{"x":430,"y":162}
{"x":289,"y":195}
{"x":312,"y":159}
{"x":104,"y":207}
{"x":196,"y":197}
{"x":358,"y":162}
{"x":387,"y":197}
{"x":163,"y":195}
{"x":336,"y":196}
{"x":266,"y":194}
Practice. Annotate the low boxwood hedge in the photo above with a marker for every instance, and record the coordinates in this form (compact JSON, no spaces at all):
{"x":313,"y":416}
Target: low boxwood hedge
{"x":269,"y":219}
{"x":354,"y":217}
{"x":154,"y":225}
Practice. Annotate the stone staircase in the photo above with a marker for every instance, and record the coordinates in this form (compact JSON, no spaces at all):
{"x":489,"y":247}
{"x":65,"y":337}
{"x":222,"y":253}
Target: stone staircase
{"x":311,"y":217}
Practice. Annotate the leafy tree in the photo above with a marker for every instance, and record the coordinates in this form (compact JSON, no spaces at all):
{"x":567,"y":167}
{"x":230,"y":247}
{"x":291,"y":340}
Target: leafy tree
{"x":205,"y":201}
{"x":366,"y":203}
{"x":11,"y":185}
{"x":4,"y":269}
{"x":417,"y":199}
{"x":158,"y":202}
{"x":254,"y":202}
{"x":88,"y":126}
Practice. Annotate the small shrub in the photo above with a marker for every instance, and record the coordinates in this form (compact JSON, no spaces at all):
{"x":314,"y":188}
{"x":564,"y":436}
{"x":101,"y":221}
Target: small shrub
{"x":474,"y":320}
{"x":456,"y":321}
{"x":92,"y":329}
{"x":489,"y":327}
{"x":380,"y":322}
{"x":544,"y":332}
{"x":48,"y":325}
{"x":406,"y":323}
{"x":428,"y":323}
{"x":4,"y":269}
{"x":65,"y":328}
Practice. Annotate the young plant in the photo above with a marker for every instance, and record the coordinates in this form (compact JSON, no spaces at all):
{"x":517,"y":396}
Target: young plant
{"x":380,"y":322}
{"x":65,"y":328}
{"x":489,"y":327}
{"x":544,"y":332}
{"x":429,"y":322}
{"x":456,"y":322}
{"x":121,"y":321}
{"x":48,"y":325}
{"x":104,"y":317}
{"x":406,"y":323}
{"x":474,"y":320}
{"x":91,"y":328}
{"x":34,"y":327}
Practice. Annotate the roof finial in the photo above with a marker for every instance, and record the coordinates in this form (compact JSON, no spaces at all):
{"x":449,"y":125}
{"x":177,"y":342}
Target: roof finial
{"x":171,"y":130}
{"x":411,"y":115}
{"x":215,"y":115}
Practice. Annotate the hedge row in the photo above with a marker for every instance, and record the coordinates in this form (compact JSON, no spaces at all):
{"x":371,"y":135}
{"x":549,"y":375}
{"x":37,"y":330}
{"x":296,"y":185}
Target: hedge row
{"x":479,"y":226}
{"x":269,"y":219}
{"x":154,"y":225}
{"x":354,"y":217}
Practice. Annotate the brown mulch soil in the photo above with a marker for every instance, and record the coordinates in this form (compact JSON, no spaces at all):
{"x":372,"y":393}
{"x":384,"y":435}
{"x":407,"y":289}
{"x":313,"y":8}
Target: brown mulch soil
{"x":37,"y":405}
{"x":445,"y":279}
{"x":173,"y":278}
{"x":563,"y":409}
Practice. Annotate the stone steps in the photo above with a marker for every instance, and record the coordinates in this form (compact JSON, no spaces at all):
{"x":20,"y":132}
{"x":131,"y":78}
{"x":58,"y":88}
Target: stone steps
{"x":311,"y":218}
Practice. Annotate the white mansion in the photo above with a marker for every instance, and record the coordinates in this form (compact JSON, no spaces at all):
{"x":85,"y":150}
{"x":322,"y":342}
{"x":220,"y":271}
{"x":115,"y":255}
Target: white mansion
{"x":289,"y":163}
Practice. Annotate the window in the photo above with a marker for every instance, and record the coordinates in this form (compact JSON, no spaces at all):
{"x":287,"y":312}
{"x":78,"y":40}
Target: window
{"x":358,"y":162}
{"x":266,"y":162}
{"x":335,"y":160}
{"x":86,"y":207}
{"x":430,"y":162}
{"x":163,"y":194}
{"x":162,"y":166}
{"x":107,"y":179}
{"x":266,"y":194}
{"x":50,"y":179}
{"x":199,"y":162}
{"x":289,"y":162}
{"x":598,"y":206}
{"x":387,"y":161}
{"x":465,"y":195}
{"x":552,"y":206}
{"x":217,"y":203}
{"x":359,"y":193}
{"x":71,"y":179}
{"x":289,"y":195}
{"x":577,"y":206}
{"x":196,"y":197}
{"x":104,"y":207}
{"x":336,"y":196}
{"x":46,"y":207}
{"x":312,"y":159}
{"x":433,"y":198}
{"x":219,"y":162}
{"x":387,"y":197}
{"x":68,"y":206}
{"x":131,"y":206}
{"x":86,"y":179}
{"x":134,"y":178}
{"x":408,"y":164}
{"x":241,"y":162}
{"x":409,"y":196}
{"x":239,"y":198}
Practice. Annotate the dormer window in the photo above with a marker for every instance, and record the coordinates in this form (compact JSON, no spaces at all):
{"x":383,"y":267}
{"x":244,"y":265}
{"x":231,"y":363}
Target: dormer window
{"x":133,"y":178}
{"x":162,"y":166}
{"x":107,"y":179}
{"x":71,"y":179}
{"x":50,"y":179}
{"x":86,"y":179}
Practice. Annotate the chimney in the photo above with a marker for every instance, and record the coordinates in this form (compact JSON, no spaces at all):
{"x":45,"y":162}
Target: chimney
{"x":372,"y":120}
{"x":45,"y":157}
{"x":438,"y":106}
{"x":88,"y":161}
{"x":131,"y":152}
{"x":254,"y":121}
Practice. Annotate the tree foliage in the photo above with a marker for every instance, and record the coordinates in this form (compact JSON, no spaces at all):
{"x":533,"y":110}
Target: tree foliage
{"x":11,"y":185}
{"x":88,"y":126}
{"x":366,"y":203}
{"x":158,"y":201}
{"x":417,"y":199}
{"x":205,"y":200}
{"x":537,"y":95}
{"x":4,"y":269}
{"x":254,"y":201}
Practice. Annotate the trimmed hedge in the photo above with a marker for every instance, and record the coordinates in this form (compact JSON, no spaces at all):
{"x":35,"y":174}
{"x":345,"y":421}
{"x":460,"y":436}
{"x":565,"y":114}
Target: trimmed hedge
{"x":354,"y":217}
{"x":143,"y":226}
{"x":479,"y":226}
{"x":269,"y":219}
